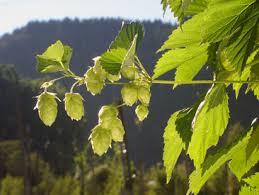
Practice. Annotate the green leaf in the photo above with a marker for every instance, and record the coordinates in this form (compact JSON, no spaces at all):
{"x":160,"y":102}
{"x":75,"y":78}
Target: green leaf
{"x":122,"y":50}
{"x":254,"y":76}
{"x":100,"y":139}
{"x":188,"y":61}
{"x":207,"y":130}
{"x":253,"y":180}
{"x":129,"y":94}
{"x":247,"y":156}
{"x":235,"y":55}
{"x":186,"y":72}
{"x":141,"y":112}
{"x":178,"y":7}
{"x":197,"y":6}
{"x":214,"y":161}
{"x":112,"y":60}
{"x":55,"y":58}
{"x":47,"y":108}
{"x":127,"y":34}
{"x":74,"y":106}
{"x":94,"y":82}
{"x":247,"y":190}
{"x":176,"y":138}
{"x":210,"y":25}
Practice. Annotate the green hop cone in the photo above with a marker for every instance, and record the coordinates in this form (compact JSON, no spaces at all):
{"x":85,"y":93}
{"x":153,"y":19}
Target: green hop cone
{"x":113,"y":78}
{"x":108,"y":112}
{"x":94,"y":82}
{"x":74,"y":106}
{"x":141,"y":112}
{"x":47,"y":108}
{"x":98,"y":68}
{"x":128,"y":72}
{"x":129,"y":94}
{"x":101,"y":139}
{"x":144,"y":95}
{"x":116,"y":128}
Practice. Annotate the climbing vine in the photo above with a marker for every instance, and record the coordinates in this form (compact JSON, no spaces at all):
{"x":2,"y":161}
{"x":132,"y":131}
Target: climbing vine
{"x":222,"y":35}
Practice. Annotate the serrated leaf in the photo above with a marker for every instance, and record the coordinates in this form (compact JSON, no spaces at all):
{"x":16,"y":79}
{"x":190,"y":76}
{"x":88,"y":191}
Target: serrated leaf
{"x":210,"y":25}
{"x":141,"y":112}
{"x":112,"y":60}
{"x":178,"y":7}
{"x":100,"y":139}
{"x":186,"y":72}
{"x":126,"y":36}
{"x":247,"y":190}
{"x":191,"y":59}
{"x":253,"y":180}
{"x":55,"y":58}
{"x":214,"y":161}
{"x":74,"y":106}
{"x":254,"y":76}
{"x":129,"y":94}
{"x":47,"y":108}
{"x":235,"y":55}
{"x":209,"y":123}
{"x":176,"y":138}
{"x":247,"y":156}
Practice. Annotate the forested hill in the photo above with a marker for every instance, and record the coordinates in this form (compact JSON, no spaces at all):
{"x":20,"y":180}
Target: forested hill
{"x":89,"y":38}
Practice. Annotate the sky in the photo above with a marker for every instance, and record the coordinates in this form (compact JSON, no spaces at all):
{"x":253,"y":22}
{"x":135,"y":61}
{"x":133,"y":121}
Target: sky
{"x":17,"y":13}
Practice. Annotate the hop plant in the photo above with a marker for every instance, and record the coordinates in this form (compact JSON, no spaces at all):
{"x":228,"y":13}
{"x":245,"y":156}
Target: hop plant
{"x":225,"y":42}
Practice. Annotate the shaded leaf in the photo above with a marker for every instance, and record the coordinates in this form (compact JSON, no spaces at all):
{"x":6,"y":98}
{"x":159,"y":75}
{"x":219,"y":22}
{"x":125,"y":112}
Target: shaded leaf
{"x":112,"y":60}
{"x":214,"y":161}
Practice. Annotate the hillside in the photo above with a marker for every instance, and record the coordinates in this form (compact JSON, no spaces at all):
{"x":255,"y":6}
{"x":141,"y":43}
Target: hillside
{"x":90,"y":38}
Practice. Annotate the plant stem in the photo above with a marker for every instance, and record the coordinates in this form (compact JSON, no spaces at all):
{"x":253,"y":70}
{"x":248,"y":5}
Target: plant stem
{"x":167,"y":82}
{"x":197,"y":82}
{"x":73,"y":86}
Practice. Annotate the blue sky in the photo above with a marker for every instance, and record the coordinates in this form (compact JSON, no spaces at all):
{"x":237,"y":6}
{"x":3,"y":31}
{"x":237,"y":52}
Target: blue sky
{"x":17,"y":13}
